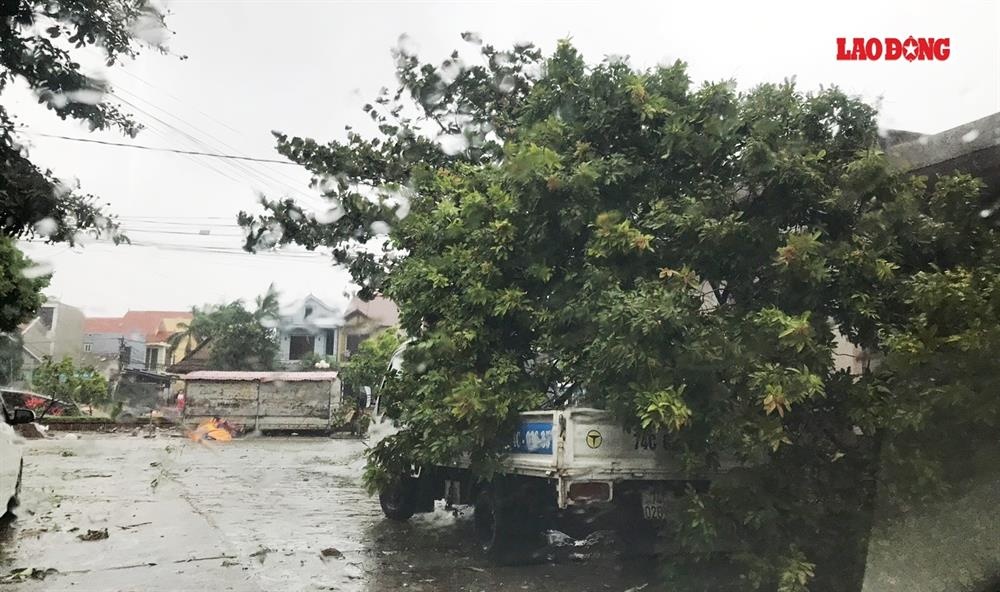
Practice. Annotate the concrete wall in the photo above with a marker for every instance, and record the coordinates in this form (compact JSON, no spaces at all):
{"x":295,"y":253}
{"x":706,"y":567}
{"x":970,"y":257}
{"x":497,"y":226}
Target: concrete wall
{"x":269,"y":405}
{"x":298,"y":404}
{"x":234,"y":400}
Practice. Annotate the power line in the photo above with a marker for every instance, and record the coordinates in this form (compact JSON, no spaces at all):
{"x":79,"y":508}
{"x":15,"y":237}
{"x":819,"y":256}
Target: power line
{"x":128,"y":229}
{"x":143,"y":218}
{"x":175,"y":98}
{"x":240,"y":167}
{"x":189,"y":223}
{"x":156,"y":149}
{"x":220,"y":250}
{"x":199,"y":129}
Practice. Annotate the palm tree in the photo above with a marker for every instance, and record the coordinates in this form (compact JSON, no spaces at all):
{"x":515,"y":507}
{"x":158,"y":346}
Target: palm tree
{"x":192,"y":332}
{"x":267,"y":305}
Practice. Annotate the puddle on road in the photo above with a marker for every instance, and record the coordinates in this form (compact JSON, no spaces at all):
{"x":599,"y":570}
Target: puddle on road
{"x":214,"y":509}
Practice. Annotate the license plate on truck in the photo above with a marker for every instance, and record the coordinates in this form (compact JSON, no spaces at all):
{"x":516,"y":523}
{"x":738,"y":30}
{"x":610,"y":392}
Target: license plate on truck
{"x":654,"y":504}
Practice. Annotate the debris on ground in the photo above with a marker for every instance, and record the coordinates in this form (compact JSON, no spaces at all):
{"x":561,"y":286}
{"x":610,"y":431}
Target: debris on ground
{"x":130,"y":526}
{"x":557,"y":538}
{"x":67,"y":453}
{"x":33,"y":532}
{"x":331,"y":552}
{"x":93,"y":535}
{"x":71,"y":437}
{"x":22,"y":574}
{"x":32,"y":431}
{"x":213,"y":557}
{"x":261,"y":554}
{"x":217,"y":429}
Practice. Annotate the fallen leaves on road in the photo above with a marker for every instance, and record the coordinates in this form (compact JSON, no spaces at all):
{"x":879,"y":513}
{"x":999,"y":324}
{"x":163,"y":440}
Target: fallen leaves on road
{"x":93,"y":535}
{"x":27,"y":573}
{"x":331,"y":552}
{"x":261,"y":554}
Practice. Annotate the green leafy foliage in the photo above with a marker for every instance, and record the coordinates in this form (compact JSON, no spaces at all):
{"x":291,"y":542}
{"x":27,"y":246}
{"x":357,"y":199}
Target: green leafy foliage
{"x":682,"y":256}
{"x":20,"y":296}
{"x":38,"y":46}
{"x":241,"y":339}
{"x":11,"y":357}
{"x":63,"y":380}
{"x":313,"y":362}
{"x":38,"y":43}
{"x":368,"y":365}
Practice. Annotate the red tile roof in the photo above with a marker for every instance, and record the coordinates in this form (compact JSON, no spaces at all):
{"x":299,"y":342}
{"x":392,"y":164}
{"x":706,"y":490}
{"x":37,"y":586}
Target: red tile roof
{"x":143,"y":322}
{"x":102,"y":325}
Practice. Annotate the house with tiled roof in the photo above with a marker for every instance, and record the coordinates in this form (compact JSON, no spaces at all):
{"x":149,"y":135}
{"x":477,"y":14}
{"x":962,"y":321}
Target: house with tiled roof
{"x":55,"y":332}
{"x":138,"y":340}
{"x":312,"y":327}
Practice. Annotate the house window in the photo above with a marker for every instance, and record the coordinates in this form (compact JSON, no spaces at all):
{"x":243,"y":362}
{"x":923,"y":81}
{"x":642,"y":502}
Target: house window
{"x":87,"y":347}
{"x":152,"y":358}
{"x":309,"y":311}
{"x":354,"y":341}
{"x":331,"y":342}
{"x":299,"y":346}
{"x":45,"y":316}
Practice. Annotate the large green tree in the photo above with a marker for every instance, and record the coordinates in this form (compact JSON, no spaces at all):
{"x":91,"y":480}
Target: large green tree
{"x":40,"y":46}
{"x":681,"y":255}
{"x":241,"y":339}
{"x":65,"y":381}
{"x":367,"y":366}
{"x":20,"y":286}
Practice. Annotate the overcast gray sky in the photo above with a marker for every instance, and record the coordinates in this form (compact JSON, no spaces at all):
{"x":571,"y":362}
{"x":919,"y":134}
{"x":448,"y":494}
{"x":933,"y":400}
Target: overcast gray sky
{"x":306,"y":68}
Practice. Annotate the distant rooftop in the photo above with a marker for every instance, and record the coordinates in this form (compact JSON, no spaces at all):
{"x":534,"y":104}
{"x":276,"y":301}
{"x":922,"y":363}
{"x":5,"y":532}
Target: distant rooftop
{"x":154,"y":325}
{"x":973,"y":147}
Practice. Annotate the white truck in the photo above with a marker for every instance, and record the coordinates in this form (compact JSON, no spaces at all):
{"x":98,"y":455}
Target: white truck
{"x":563,"y":466}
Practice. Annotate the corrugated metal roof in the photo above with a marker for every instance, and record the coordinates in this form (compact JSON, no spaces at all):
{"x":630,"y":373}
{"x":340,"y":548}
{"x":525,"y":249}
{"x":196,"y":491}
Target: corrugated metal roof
{"x":231,"y":375}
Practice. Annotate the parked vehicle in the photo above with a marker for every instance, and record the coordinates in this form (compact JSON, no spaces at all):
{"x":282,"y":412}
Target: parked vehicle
{"x":563,"y":467}
{"x":40,"y":404}
{"x":11,"y":454}
{"x":575,"y":465}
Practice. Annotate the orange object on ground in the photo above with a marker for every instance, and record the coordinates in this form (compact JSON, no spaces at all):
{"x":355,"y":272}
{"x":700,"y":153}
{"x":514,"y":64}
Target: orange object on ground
{"x":212,"y":429}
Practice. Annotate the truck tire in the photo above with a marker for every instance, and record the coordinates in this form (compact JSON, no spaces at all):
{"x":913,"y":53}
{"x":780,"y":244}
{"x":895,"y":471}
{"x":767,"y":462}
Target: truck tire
{"x":399,"y":500}
{"x":505,"y":529}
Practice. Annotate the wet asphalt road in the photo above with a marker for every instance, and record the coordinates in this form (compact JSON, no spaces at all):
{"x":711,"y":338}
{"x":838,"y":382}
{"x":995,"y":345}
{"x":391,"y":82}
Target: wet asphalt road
{"x":255,"y":515}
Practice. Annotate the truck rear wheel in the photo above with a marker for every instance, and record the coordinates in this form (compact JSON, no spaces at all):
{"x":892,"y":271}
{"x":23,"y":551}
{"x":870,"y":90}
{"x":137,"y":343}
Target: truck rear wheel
{"x":505,"y":529}
{"x":399,"y":500}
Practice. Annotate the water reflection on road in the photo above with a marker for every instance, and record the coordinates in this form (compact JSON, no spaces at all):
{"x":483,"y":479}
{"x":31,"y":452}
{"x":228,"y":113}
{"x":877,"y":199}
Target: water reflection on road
{"x":256,"y":514}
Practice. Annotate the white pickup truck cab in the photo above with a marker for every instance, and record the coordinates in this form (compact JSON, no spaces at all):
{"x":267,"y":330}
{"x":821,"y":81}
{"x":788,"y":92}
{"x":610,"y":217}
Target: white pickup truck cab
{"x":566,"y":465}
